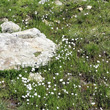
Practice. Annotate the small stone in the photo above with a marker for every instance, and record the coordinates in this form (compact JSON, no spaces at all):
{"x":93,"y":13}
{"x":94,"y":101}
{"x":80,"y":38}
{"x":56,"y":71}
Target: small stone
{"x":57,"y":2}
{"x":80,"y":9}
{"x":3,"y":19}
{"x":28,"y":18}
{"x":35,"y":77}
{"x":9,"y":27}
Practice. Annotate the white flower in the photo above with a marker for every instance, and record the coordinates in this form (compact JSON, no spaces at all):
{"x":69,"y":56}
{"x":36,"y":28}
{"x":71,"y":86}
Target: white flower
{"x":75,"y":94}
{"x":66,"y":92}
{"x":86,"y":14}
{"x":39,"y":96}
{"x":99,"y":55}
{"x":72,"y":93}
{"x":55,"y":85}
{"x":57,"y":107}
{"x":79,"y":86}
{"x":61,"y":80}
{"x":29,"y":87}
{"x":27,"y":99}
{"x":35,"y":94}
{"x":107,"y":72}
{"x":20,"y":75}
{"x":49,"y":86}
{"x":93,"y":103}
{"x":48,"y":82}
{"x":35,"y":12}
{"x":24,"y":78}
{"x":59,"y":93}
{"x":96,"y":66}
{"x":63,"y":83}
{"x":23,"y":96}
{"x":54,"y":89}
{"x":98,"y":61}
{"x":60,"y":66}
{"x":52,"y":93}
{"x":2,"y":81}
{"x":42,"y":83}
{"x":89,"y":7}
{"x":57,"y":74}
{"x":9,"y":9}
{"x":53,"y":77}
{"x":106,"y":61}
{"x":75,"y":16}
{"x":33,"y":69}
{"x":68,"y":82}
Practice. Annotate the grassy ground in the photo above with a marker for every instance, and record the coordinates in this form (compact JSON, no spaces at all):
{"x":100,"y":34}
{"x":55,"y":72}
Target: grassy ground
{"x":78,"y":77}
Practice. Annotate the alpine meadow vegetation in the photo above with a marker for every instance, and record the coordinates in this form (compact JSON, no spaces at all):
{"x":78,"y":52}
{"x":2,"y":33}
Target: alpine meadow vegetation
{"x":78,"y":76}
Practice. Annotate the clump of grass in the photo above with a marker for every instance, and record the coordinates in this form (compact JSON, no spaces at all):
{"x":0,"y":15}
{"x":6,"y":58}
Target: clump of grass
{"x":3,"y":105}
{"x":105,"y":46}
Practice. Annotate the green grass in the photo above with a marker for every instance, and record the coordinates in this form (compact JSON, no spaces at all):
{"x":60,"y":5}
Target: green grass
{"x":78,"y":76}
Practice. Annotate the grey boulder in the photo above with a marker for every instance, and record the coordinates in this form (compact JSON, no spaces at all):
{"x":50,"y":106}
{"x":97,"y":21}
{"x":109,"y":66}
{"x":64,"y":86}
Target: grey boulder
{"x":25,"y":48}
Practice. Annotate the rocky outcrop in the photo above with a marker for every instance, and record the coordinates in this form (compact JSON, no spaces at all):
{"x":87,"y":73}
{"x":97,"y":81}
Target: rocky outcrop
{"x":25,"y":48}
